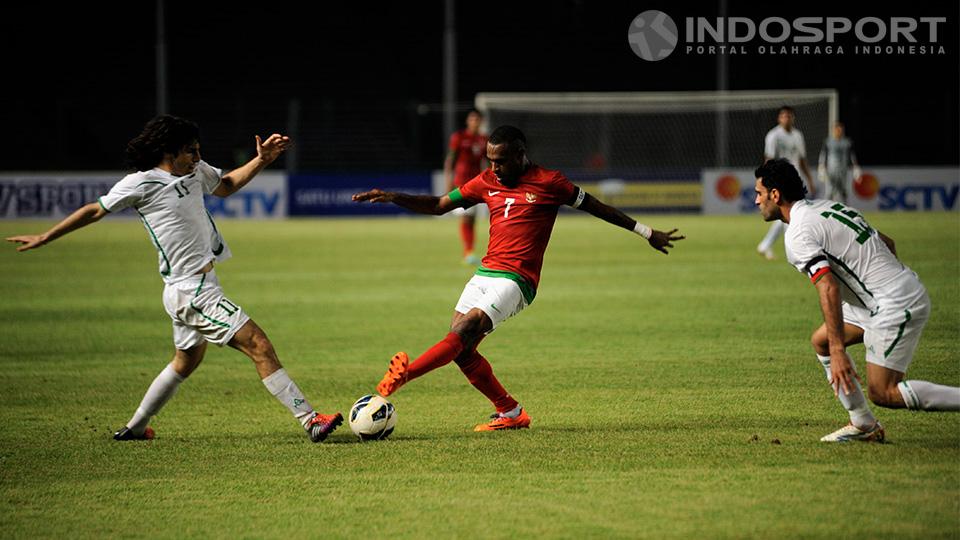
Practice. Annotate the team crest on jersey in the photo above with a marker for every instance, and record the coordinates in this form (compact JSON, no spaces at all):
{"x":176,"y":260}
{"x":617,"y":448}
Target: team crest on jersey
{"x":531,"y":198}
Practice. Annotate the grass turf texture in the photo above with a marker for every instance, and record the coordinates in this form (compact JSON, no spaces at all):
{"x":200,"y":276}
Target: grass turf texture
{"x":671,"y":396}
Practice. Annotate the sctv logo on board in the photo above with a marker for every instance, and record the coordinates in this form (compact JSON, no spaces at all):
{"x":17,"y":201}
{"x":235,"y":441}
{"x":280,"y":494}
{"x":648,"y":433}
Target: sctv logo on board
{"x":907,"y":197}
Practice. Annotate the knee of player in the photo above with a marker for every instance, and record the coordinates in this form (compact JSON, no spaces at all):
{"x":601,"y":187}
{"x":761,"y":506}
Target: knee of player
{"x":260,"y":344}
{"x":471,"y":325}
{"x":819,"y":342}
{"x":885,"y":396}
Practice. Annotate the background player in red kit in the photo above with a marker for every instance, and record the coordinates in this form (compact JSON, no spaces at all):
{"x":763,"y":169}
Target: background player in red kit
{"x":464,"y":161}
{"x":524,"y":199}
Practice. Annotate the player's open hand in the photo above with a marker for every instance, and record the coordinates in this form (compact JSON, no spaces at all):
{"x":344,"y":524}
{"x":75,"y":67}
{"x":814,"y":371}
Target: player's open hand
{"x":374,"y":196}
{"x":28,"y":241}
{"x":842,"y":374}
{"x":660,"y":240}
{"x":270,"y":149}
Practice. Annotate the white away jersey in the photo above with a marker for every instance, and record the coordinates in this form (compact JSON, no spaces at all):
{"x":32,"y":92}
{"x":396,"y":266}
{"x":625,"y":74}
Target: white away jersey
{"x":780,"y":143}
{"x":826,"y":236}
{"x":172,"y":211}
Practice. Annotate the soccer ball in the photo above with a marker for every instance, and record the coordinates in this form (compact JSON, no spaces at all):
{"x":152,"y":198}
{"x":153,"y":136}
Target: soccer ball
{"x":372,"y":418}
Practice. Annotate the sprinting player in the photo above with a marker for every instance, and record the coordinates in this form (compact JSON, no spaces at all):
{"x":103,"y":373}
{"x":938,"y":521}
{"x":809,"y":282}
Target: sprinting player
{"x":463,"y":162}
{"x":784,"y":141}
{"x":523,"y":199}
{"x":836,"y":161}
{"x":167,"y":194}
{"x":866,"y":296}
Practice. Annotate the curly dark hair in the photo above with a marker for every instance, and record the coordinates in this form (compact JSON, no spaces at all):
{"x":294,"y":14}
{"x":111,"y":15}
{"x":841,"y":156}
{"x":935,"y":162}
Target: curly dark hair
{"x":782,"y":175}
{"x":164,"y":134}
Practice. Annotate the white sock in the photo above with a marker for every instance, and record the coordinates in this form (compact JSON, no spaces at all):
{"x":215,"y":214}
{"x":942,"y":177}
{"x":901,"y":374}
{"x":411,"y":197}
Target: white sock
{"x":855,"y":403}
{"x":776,"y":229}
{"x":927,"y":396}
{"x":512,"y":413}
{"x":286,"y":392}
{"x":161,"y":390}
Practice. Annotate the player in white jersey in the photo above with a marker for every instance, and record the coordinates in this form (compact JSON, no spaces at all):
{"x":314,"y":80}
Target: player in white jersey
{"x":167,"y":193}
{"x":866,"y":295}
{"x":836,"y":161}
{"x":784,"y":141}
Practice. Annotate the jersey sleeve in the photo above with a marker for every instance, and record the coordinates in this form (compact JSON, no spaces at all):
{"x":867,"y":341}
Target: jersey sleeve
{"x":566,"y":192}
{"x":801,"y":145}
{"x":454,"y":142}
{"x":209,"y":176}
{"x":807,"y":256}
{"x":123,"y":194}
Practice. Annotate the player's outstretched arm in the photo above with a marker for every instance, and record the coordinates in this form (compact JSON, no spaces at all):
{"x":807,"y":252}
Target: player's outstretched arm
{"x":659,"y":240}
{"x":421,"y":204}
{"x":81,"y":217}
{"x":842,"y":374}
{"x":267,"y":152}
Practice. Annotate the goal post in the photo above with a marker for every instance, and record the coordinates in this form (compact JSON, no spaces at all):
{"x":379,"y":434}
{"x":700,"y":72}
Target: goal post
{"x":620,"y":133}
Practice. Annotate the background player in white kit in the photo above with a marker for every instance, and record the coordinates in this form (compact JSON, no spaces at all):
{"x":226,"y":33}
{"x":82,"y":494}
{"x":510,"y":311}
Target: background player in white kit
{"x":866,"y":295}
{"x":784,"y":141}
{"x":836,"y":161}
{"x":167,"y":194}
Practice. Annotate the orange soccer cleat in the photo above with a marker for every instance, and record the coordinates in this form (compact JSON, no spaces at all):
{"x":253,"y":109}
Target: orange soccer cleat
{"x":395,"y":376}
{"x":499,"y":422}
{"x":322,"y":425}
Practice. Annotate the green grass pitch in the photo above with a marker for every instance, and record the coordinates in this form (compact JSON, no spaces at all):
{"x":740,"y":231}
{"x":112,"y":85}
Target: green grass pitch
{"x":671,"y":396}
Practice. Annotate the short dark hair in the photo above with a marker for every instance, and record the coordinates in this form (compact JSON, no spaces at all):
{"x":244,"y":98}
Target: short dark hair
{"x":164,"y":134}
{"x":787,"y":108}
{"x":509,"y":135}
{"x":782,"y":175}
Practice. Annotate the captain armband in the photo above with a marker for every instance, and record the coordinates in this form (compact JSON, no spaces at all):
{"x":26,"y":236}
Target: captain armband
{"x":578,"y":200}
{"x":817,"y":268}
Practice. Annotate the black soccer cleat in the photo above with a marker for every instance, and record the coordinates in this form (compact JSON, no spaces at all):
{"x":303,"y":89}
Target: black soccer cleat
{"x":126,"y":435}
{"x":322,"y":425}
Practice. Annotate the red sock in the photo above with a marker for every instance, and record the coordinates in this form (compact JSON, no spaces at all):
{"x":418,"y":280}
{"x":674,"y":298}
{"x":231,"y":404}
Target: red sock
{"x":439,"y":355}
{"x":466,"y":234}
{"x":480,"y":375}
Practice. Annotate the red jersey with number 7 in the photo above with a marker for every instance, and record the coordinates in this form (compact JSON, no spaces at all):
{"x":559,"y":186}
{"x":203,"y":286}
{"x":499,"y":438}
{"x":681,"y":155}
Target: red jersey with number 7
{"x":521,"y":218}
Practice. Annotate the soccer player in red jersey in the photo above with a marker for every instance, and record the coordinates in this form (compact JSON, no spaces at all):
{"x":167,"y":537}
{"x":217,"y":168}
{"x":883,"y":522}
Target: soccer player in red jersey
{"x":463,"y":162}
{"x":524,"y":199}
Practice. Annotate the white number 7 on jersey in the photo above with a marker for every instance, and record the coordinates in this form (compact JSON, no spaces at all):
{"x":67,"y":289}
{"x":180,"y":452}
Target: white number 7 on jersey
{"x":506,"y":211}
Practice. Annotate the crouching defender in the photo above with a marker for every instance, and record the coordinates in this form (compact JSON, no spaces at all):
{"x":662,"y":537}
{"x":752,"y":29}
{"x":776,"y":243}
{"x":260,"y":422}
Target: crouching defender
{"x":523,"y":199}
{"x":167,"y":194}
{"x":866,"y":296}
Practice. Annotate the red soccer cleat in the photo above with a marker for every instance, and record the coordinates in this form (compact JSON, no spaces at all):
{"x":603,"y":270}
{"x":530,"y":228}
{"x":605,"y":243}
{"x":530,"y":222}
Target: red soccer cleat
{"x":322,"y":425}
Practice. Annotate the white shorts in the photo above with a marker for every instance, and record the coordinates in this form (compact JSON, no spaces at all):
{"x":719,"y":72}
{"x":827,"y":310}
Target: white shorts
{"x":891,"y":335}
{"x":499,"y":298}
{"x":200,"y":311}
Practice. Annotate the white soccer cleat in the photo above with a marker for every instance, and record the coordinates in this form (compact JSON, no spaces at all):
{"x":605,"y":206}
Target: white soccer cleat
{"x":767,"y":254}
{"x":850,"y":432}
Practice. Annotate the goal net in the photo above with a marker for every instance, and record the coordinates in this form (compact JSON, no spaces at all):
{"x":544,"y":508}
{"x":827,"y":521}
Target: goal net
{"x":624,"y":135}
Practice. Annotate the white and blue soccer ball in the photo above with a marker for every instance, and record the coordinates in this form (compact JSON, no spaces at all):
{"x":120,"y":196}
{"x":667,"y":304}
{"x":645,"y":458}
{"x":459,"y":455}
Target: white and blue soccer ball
{"x":372,"y":418}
